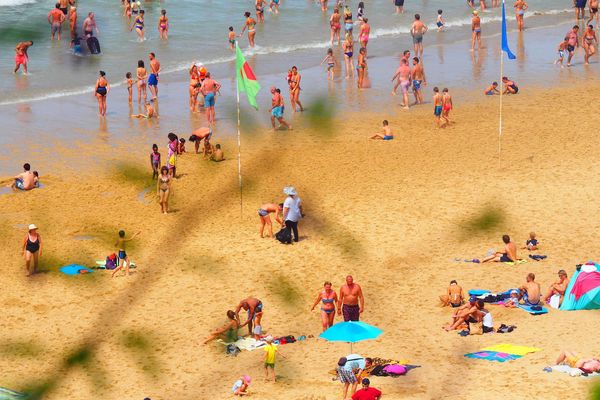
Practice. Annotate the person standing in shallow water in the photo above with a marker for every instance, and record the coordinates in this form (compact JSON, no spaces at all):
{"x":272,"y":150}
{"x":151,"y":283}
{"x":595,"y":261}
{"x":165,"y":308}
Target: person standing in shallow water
{"x":251,"y":25}
{"x":101,"y":91}
{"x":32,"y":248}
{"x":294,"y":82}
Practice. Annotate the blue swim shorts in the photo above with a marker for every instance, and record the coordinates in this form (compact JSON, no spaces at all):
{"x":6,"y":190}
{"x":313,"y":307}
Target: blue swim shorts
{"x":152,"y":80}
{"x":209,"y":100}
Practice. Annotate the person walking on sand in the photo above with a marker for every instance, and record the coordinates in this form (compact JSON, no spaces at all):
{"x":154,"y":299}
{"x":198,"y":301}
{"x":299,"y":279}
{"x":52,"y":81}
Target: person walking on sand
{"x":589,"y":42}
{"x":351,"y":302}
{"x":270,"y":354}
{"x":446,"y":106}
{"x":417,"y":30}
{"x":163,"y":189}
{"x":209,"y":90}
{"x":403,"y":74}
{"x":573,"y":42}
{"x":418,"y":79}
{"x":329,"y":298}
{"x":251,"y":25}
{"x":520,"y":7}
{"x":509,"y":254}
{"x":335,"y":26}
{"x":123,"y":257}
{"x":25,"y":180}
{"x":101,"y":91}
{"x":21,"y":57}
{"x":153,"y":77}
{"x":437,"y":106}
{"x":292,"y":212}
{"x":254,"y":307}
{"x":265,"y":218}
{"x":294,"y":83}
{"x":277,"y":108}
{"x":32,"y":248}
{"x":476,"y":31}
{"x":56,"y":19}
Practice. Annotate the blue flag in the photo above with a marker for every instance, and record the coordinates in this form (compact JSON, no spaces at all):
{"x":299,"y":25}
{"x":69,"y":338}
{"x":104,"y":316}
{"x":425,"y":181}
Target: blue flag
{"x":505,"y":48}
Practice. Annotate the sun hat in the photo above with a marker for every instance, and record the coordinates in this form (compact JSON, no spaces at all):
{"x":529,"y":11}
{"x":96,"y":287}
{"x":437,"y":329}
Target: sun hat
{"x":32,"y":227}
{"x":269,"y":339}
{"x":247,"y":378}
{"x":289,"y":190}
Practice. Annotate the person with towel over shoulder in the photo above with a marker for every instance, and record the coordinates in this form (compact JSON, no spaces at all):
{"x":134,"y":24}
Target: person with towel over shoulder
{"x":292,"y":211}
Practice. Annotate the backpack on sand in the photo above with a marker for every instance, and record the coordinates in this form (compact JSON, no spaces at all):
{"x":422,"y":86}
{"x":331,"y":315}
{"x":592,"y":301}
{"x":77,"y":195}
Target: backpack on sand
{"x":284,"y":235}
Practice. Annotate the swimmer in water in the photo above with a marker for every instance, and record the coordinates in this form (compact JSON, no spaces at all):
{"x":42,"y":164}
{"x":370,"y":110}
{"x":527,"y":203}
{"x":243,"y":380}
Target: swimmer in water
{"x":138,"y":24}
{"x":520,"y":7}
{"x":21,"y":57}
{"x":440,"y":21}
{"x":251,"y":25}
{"x":163,"y":25}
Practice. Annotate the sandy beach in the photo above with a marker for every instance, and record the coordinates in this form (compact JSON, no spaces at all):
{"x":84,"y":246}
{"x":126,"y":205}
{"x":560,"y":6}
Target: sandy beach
{"x":394,"y":214}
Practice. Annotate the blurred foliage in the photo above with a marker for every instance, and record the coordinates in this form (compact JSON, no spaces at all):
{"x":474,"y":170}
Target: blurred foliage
{"x":134,"y":174}
{"x":140,"y":347}
{"x":283,"y":288}
{"x":321,"y":113}
{"x":485,"y":220}
{"x":595,"y":392}
{"x":10,"y":348}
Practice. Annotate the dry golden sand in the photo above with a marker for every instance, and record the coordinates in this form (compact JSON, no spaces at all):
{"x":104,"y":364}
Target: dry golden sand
{"x":390,"y":213}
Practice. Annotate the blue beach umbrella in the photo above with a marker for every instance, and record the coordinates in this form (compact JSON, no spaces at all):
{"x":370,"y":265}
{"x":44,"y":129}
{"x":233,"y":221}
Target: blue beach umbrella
{"x":351,"y":331}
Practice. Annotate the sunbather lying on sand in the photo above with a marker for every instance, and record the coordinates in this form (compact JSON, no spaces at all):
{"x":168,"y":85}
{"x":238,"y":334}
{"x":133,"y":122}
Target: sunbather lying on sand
{"x":587,"y":364}
{"x":509,"y":254}
{"x":229,"y":331}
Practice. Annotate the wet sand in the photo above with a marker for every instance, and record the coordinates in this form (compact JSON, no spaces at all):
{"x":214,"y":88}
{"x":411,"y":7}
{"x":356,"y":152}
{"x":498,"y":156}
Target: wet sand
{"x":390,"y":213}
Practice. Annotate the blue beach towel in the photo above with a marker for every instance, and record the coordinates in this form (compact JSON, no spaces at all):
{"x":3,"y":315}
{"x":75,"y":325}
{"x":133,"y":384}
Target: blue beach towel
{"x":73,"y":269}
{"x":478,"y":292}
{"x":544,"y":310}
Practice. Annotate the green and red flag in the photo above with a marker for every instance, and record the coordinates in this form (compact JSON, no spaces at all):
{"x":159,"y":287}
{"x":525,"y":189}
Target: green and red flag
{"x":246,"y":80}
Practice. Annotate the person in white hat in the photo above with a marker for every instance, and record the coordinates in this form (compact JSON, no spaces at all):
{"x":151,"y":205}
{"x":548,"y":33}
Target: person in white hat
{"x":292,"y":211}
{"x":32,"y":248}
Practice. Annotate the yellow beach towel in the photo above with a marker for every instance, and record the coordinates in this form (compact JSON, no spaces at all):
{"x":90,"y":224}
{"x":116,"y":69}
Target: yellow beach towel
{"x":512,"y":349}
{"x":516,"y":263}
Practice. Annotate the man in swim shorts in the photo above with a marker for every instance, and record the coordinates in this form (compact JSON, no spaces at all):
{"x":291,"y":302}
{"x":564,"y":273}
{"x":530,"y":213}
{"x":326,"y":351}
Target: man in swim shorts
{"x":64,"y":6}
{"x":437,"y":105}
{"x":572,"y":42}
{"x":351,"y":302}
{"x":277,"y":108}
{"x":531,"y":291}
{"x":89,"y":25}
{"x":386,"y":132}
{"x":580,"y":8}
{"x":509,"y":254}
{"x":418,"y":79}
{"x":254,"y":307}
{"x":153,"y":77}
{"x":25,"y":180}
{"x":209,"y":89}
{"x":55,"y":19}
{"x":403,"y":74}
{"x":399,"y":6}
{"x":21,"y":57}
{"x":417,"y":30}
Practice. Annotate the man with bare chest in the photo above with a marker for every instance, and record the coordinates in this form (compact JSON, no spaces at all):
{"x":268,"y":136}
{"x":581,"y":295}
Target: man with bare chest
{"x":351,"y":301}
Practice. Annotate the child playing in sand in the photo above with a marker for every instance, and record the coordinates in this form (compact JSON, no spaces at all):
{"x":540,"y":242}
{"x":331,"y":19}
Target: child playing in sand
{"x":562,"y":47}
{"x":217,"y":154}
{"x":129,"y":86}
{"x":531,"y":243}
{"x":240,"y":387}
{"x":492,"y":89}
{"x":330,"y":63}
{"x":231,"y":38}
{"x":513,"y":300}
{"x":181,"y":145}
{"x":123,"y":257}
{"x":386,"y":132}
{"x":208,"y":150}
{"x":440,"y":21}
{"x":270,"y":352}
{"x":36,"y":179}
{"x":155,"y":161}
{"x":149,"y":112}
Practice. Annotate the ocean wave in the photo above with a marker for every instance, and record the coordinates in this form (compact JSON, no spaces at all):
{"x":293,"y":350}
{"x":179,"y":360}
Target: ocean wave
{"x":12,"y":3}
{"x":53,"y":95}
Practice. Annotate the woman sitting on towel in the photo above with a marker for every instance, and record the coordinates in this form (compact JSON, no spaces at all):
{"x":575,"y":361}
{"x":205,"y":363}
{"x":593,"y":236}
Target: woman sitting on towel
{"x":229,"y":331}
{"x":587,"y":365}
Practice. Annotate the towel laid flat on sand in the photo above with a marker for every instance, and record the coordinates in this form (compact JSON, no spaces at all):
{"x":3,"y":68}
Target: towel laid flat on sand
{"x":529,"y":309}
{"x":512,"y":349}
{"x":248,"y":344}
{"x":516,"y":262}
{"x":570,"y":370}
{"x":74,"y":269}
{"x":492,"y":356}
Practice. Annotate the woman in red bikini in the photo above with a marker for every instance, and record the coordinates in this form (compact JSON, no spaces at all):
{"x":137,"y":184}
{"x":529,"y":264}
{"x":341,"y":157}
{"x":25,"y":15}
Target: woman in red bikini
{"x":329,"y":298}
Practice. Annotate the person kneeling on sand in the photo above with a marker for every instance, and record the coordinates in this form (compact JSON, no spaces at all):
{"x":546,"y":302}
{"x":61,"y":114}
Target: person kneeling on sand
{"x":229,"y":331}
{"x":265,"y":218}
{"x":386,"y":132}
{"x":509,"y":255}
{"x":240,"y":387}
{"x":510,"y":87}
{"x":557,"y":288}
{"x":25,"y":180}
{"x":531,"y":291}
{"x":463,"y":314}
{"x":587,"y":365}
{"x":455,"y":296}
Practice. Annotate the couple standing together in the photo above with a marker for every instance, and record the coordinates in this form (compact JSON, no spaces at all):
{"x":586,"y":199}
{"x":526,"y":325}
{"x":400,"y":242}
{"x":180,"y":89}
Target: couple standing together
{"x":350,"y":302}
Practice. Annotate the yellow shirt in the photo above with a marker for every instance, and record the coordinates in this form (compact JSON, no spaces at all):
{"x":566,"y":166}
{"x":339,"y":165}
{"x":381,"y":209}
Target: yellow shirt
{"x":270,"y":349}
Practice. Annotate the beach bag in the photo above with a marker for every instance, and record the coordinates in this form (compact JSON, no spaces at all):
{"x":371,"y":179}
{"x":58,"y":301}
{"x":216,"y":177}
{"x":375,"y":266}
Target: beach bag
{"x":394,"y":369}
{"x":476,"y":328}
{"x":111,"y":262}
{"x":232,"y":350}
{"x":93,"y":45}
{"x":284,"y":235}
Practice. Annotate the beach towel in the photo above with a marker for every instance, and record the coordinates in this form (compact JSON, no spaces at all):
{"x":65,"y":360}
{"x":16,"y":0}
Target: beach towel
{"x":7,"y":394}
{"x":478,"y":292}
{"x":247,"y":344}
{"x":512,"y":349}
{"x":570,"y":370}
{"x":493,"y":356}
{"x":74,"y":269}
{"x":529,"y":309}
{"x":515,"y":262}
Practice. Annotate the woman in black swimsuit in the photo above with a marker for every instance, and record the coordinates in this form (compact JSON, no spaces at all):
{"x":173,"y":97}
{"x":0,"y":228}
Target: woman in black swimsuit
{"x":100,"y":91}
{"x":32,"y":247}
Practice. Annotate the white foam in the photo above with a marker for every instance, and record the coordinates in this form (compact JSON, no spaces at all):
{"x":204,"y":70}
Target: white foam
{"x":12,"y":3}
